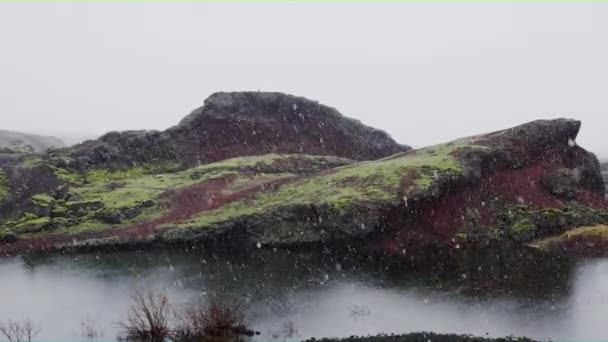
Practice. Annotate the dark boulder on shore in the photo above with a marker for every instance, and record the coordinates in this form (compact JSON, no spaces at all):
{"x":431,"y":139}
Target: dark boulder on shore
{"x":421,"y":337}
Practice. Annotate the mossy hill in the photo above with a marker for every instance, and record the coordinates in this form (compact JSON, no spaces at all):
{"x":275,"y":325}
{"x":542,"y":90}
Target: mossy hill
{"x":517,"y":186}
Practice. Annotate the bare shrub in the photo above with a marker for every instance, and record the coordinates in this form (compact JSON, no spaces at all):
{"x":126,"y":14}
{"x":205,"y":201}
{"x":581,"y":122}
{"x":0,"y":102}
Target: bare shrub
{"x":23,"y":331}
{"x":214,"y":322}
{"x":290,"y":330}
{"x":148,"y":318}
{"x":89,"y":330}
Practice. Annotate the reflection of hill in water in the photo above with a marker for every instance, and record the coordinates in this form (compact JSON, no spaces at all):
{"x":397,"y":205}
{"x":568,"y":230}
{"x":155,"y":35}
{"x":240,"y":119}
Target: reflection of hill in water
{"x":318,"y":294}
{"x":484,"y":273}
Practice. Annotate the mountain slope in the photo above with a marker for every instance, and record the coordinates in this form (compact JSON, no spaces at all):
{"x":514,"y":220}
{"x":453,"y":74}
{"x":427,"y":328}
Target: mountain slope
{"x":238,"y":124}
{"x":25,"y":142}
{"x":519,"y":185}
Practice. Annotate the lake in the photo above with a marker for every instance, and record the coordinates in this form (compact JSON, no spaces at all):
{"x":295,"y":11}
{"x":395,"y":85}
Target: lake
{"x":300,"y":295}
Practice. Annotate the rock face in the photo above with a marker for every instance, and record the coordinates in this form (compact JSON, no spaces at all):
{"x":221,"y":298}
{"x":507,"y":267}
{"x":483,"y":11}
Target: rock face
{"x":239,"y":124}
{"x":604,"y":167}
{"x":522,"y":185}
{"x":26,"y":143}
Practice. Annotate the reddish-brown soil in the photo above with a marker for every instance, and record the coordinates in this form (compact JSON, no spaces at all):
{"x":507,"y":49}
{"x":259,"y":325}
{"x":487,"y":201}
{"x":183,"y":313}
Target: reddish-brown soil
{"x":439,"y":221}
{"x":196,"y":199}
{"x":432,"y":223}
{"x":238,"y":124}
{"x":185,"y":203}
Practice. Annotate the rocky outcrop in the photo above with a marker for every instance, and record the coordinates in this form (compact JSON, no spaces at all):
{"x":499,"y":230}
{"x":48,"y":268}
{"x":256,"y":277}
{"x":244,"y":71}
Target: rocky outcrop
{"x":239,"y":124}
{"x":517,"y":186}
{"x":257,"y":123}
{"x":421,"y":337}
{"x":604,"y":168}
{"x":17,"y":142}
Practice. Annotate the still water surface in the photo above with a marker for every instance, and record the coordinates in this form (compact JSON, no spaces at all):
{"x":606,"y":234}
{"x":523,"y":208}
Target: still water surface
{"x":302,"y":296}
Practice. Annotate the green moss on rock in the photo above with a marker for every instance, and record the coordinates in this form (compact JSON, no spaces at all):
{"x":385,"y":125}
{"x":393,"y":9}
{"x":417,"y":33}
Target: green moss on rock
{"x":524,"y":223}
{"x":32,"y":225}
{"x":4,"y":191}
{"x":43,"y":200}
{"x":523,"y":230}
{"x":31,"y":161}
{"x":591,"y":234}
{"x":376,"y":182}
{"x":66,"y":175}
{"x":98,"y":199}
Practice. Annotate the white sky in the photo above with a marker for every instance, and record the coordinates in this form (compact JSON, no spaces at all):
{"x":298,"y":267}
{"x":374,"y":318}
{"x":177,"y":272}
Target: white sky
{"x":425,"y":73}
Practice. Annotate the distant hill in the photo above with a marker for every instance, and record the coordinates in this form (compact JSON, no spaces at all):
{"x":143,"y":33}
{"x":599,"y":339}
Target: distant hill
{"x":25,"y":142}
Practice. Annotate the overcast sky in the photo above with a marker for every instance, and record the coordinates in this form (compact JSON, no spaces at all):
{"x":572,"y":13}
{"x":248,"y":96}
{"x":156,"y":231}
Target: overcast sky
{"x":425,"y":73}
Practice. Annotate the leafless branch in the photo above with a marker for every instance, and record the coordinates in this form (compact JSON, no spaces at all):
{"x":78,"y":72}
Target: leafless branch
{"x":23,"y":331}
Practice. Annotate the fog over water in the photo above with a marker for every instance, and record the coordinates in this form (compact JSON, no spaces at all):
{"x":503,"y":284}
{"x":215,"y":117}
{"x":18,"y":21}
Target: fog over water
{"x":316,"y":299}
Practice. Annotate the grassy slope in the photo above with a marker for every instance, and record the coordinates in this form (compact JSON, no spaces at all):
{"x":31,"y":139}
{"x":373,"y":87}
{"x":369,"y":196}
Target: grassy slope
{"x":387,"y":181}
{"x":365,"y":182}
{"x":3,"y":186}
{"x":598,"y":233}
{"x":102,"y":191}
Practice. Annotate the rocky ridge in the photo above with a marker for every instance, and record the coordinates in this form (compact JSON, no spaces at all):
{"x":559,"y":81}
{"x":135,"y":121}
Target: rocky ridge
{"x":237,"y":124}
{"x":528,"y":185}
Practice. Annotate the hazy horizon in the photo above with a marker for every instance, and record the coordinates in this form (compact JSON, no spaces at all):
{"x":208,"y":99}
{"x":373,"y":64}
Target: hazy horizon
{"x":423,"y":72}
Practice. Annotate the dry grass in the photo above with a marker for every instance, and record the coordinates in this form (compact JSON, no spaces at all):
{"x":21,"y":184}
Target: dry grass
{"x":213,"y":323}
{"x":149,"y":318}
{"x":152,"y":319}
{"x":597,"y":232}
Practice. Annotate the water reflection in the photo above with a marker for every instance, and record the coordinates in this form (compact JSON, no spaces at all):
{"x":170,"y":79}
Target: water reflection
{"x":589,"y":301}
{"x":305,"y":295}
